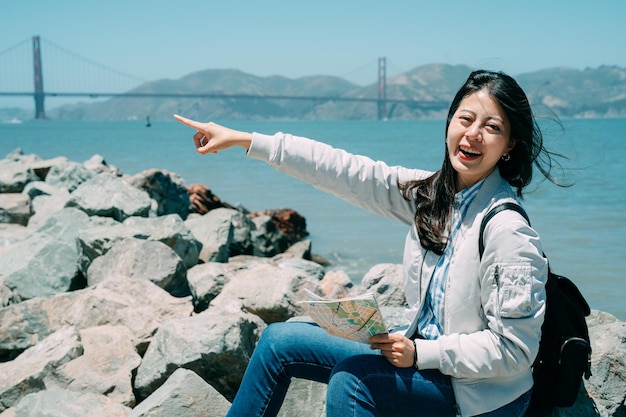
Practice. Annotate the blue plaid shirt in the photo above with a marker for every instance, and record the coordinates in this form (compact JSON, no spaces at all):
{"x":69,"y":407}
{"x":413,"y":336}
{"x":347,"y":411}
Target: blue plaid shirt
{"x":430,"y":323}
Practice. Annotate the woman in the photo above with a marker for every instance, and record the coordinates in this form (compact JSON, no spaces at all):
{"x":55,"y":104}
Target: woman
{"x":475,"y":324}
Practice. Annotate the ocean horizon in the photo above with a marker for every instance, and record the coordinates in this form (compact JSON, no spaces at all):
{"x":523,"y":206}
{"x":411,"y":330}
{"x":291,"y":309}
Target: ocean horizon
{"x":583,"y":227}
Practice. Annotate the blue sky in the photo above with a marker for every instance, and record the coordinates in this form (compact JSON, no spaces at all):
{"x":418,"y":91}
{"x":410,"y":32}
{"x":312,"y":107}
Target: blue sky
{"x":169,"y":39}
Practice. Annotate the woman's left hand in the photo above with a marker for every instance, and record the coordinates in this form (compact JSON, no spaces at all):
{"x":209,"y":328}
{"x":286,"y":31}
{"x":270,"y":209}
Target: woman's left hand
{"x":398,"y":349}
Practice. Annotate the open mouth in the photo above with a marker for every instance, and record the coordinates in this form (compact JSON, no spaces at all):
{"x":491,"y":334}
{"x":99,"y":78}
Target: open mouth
{"x":469,"y":152}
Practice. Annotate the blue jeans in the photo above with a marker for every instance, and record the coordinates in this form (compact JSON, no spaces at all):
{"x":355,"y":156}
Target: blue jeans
{"x":360,"y":381}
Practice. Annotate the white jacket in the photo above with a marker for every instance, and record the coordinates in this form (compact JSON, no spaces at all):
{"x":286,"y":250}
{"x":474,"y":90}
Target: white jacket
{"x":493,"y":308}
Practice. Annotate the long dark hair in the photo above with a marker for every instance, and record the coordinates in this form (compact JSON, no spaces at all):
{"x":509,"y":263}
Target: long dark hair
{"x":435,"y":194}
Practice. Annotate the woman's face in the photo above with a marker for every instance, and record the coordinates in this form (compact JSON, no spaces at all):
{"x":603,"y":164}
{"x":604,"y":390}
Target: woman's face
{"x":478,"y":136}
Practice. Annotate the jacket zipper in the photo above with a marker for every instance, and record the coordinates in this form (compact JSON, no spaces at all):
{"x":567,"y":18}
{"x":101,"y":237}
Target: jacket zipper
{"x":496,"y":279}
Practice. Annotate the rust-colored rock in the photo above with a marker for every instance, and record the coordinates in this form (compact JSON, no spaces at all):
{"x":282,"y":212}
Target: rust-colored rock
{"x":203,"y":200}
{"x":288,"y":221}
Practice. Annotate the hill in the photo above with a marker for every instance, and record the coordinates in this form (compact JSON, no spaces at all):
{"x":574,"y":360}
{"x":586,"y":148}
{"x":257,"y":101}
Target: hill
{"x":592,"y":92}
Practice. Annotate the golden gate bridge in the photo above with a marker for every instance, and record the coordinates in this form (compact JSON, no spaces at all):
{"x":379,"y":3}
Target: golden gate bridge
{"x":13,"y":82}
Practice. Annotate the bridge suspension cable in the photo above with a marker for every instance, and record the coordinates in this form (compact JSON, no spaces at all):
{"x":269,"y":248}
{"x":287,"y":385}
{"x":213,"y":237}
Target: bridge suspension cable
{"x":84,"y":73}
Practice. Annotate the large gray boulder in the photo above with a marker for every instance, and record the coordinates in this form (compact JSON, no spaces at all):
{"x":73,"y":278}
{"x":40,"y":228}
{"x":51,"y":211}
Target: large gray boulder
{"x":68,"y":175}
{"x":110,"y":196}
{"x":183,"y":394}
{"x":216,"y":344}
{"x":106,"y":366}
{"x":304,"y":399}
{"x":170,"y":230}
{"x":66,"y":403}
{"x":46,"y":200}
{"x":270,"y":291}
{"x":267,"y":239}
{"x":139,"y":305}
{"x":27,"y":373}
{"x":607,"y":386}
{"x":46,"y":262}
{"x":15,"y":208}
{"x":15,"y":173}
{"x":141,"y":259}
{"x":166,"y":189}
{"x":207,"y":280}
{"x":216,"y":231}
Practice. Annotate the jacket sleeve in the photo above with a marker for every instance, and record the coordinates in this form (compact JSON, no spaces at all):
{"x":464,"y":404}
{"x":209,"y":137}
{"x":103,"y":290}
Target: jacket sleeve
{"x":512,"y":273}
{"x":359,"y":180}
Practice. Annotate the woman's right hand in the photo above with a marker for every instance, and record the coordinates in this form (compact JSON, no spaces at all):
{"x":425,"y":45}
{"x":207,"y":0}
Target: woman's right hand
{"x":211,"y":137}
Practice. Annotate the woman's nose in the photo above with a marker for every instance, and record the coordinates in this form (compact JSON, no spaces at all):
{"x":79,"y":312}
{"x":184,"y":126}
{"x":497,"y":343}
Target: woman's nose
{"x":473,"y":132}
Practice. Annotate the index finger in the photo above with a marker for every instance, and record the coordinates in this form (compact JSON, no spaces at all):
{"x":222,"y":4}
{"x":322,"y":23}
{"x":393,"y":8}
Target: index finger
{"x":191,"y":123}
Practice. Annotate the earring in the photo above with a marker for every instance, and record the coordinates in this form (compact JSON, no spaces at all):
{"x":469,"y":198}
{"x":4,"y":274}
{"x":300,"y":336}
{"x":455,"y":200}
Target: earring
{"x":506,"y":157}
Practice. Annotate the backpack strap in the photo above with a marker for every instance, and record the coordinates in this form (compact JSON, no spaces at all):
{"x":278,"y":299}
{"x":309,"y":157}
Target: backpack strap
{"x":497,"y":209}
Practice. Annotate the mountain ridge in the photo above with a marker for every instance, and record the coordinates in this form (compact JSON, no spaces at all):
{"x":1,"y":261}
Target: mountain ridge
{"x":567,"y":92}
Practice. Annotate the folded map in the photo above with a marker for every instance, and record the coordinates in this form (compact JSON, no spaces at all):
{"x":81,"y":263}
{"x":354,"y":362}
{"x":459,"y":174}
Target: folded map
{"x":355,"y":318}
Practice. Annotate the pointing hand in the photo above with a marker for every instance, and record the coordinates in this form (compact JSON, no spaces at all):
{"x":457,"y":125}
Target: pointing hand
{"x":211,"y":137}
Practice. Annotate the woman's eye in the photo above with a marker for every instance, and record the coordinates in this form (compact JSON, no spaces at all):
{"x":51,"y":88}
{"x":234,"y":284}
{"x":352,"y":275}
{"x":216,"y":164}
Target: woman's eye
{"x":494,"y":127}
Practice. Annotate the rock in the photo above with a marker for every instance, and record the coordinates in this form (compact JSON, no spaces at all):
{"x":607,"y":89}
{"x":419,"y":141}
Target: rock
{"x":97,"y":240}
{"x":68,"y":175}
{"x":43,"y":166}
{"x":46,"y":262}
{"x":304,"y":399}
{"x":38,"y":188}
{"x":384,"y":280}
{"x":301,"y":249}
{"x":183,"y":394}
{"x":267,"y":290}
{"x":106,"y":366}
{"x":288,"y":221}
{"x":27,"y":373}
{"x":216,"y":344}
{"x":215,"y":231}
{"x":267,"y":239}
{"x":70,"y":350}
{"x":69,"y":404}
{"x":309,"y":268}
{"x":139,"y":305}
{"x":203,"y":200}
{"x":15,"y":174}
{"x":109,"y":196}
{"x":166,"y":188}
{"x":11,"y":233}
{"x":607,"y":386}
{"x":15,"y":208}
{"x":98,"y":165}
{"x":336,"y":284}
{"x":46,"y":206}
{"x":207,"y":280}
{"x":241,"y":243}
{"x":170,"y":230}
{"x":142,"y":259}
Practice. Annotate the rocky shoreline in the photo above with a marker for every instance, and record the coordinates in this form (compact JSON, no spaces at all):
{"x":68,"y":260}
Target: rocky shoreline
{"x":141,"y":296}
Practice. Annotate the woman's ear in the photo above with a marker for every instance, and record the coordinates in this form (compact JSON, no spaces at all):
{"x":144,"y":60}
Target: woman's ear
{"x":512,"y":143}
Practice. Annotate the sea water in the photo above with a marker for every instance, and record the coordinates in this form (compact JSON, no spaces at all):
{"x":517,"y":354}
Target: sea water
{"x":583,"y":227}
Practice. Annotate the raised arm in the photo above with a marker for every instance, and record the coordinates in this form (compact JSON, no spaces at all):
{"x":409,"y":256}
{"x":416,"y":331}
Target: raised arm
{"x":211,"y":137}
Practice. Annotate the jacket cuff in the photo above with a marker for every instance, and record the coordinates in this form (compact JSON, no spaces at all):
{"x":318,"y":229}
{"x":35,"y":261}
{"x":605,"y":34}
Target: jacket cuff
{"x":261,"y":147}
{"x":427,"y":354}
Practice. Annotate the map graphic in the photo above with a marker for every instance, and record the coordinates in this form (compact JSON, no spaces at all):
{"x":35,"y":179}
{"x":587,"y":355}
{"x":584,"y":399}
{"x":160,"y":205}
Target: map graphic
{"x":355,"y":318}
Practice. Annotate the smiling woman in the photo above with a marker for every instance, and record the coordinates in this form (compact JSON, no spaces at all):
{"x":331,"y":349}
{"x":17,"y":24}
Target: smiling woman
{"x":469,"y":345}
{"x":479,"y":134}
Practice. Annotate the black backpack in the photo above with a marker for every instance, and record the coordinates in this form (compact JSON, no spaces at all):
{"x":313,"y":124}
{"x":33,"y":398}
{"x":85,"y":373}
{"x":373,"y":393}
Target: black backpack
{"x":564,"y":348}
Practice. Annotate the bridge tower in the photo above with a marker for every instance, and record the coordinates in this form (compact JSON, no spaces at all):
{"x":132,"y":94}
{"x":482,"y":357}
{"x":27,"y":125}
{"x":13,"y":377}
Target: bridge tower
{"x":39,"y":94}
{"x":382,"y":88}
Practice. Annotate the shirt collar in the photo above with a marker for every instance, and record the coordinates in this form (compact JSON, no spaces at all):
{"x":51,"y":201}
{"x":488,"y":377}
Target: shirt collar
{"x":466,"y":195}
